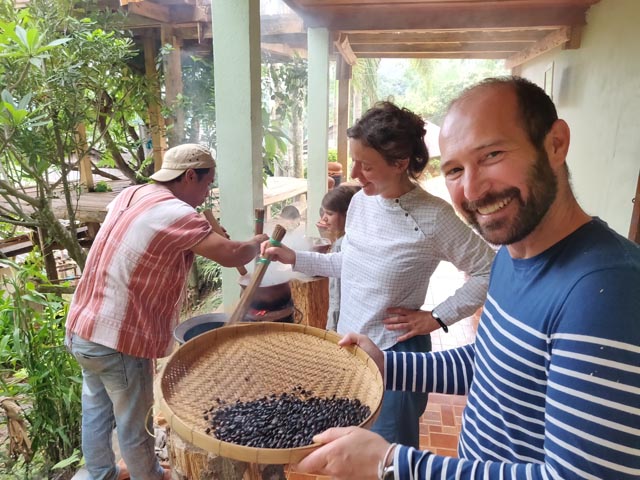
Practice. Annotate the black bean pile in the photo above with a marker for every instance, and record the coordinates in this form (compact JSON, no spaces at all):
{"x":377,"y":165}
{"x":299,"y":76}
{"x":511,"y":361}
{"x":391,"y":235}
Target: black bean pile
{"x":287,"y":420}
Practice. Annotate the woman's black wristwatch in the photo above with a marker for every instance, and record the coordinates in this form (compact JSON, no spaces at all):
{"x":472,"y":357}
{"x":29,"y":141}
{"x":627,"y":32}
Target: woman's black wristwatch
{"x":440,"y":322}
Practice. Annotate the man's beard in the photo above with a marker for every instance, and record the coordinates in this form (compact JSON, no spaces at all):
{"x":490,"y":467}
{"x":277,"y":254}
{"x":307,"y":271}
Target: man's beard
{"x":543,"y":188}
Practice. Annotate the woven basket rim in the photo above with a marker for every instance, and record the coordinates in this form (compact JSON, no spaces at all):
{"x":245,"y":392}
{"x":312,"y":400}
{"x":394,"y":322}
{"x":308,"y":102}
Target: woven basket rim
{"x":208,"y":442}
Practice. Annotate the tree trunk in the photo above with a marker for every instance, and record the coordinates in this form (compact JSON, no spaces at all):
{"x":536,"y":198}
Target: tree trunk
{"x":57,"y":232}
{"x":47,"y":255}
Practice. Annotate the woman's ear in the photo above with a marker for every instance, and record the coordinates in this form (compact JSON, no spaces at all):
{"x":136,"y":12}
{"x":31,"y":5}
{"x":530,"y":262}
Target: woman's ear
{"x":402,"y":165}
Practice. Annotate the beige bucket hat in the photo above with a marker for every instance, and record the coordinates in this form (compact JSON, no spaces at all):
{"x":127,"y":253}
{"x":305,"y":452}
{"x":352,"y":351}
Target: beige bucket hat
{"x":178,"y":160}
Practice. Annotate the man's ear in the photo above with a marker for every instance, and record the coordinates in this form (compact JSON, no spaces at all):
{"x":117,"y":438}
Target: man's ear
{"x":189,"y":174}
{"x":557,"y":143}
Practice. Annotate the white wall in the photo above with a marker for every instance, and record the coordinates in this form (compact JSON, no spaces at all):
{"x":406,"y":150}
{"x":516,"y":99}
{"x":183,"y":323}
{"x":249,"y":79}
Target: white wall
{"x":597,"y":91}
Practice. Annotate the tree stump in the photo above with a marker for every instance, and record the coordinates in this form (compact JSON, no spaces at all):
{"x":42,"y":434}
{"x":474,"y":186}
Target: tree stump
{"x":311,"y":297}
{"x":189,"y":462}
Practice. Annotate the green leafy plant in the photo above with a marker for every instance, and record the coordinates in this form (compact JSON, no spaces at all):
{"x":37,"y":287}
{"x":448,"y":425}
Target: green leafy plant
{"x":36,"y":369}
{"x":284,"y":87}
{"x":102,"y":186}
{"x":209,"y":273}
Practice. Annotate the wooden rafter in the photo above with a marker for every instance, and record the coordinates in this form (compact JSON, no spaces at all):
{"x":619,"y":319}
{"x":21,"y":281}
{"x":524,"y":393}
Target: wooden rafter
{"x":150,"y":10}
{"x":443,"y":55}
{"x":445,"y":36}
{"x":280,"y":24}
{"x":283,"y":51}
{"x":555,"y":39}
{"x":516,"y":30}
{"x":386,"y":50}
{"x":344,"y":48}
{"x":440,"y":15}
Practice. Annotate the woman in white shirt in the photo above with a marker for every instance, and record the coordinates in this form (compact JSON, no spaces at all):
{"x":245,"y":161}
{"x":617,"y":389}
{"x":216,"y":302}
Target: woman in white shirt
{"x":396,"y":235}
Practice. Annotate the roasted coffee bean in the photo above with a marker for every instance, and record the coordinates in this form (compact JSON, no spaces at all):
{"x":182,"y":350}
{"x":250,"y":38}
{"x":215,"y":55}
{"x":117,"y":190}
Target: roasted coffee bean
{"x":283,"y":421}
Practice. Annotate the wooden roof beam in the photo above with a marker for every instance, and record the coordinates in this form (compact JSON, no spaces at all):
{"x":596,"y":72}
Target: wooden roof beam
{"x":194,"y":31}
{"x":154,"y":11}
{"x":280,"y":24}
{"x":174,"y":14}
{"x":490,"y":14}
{"x":484,"y":35}
{"x":560,"y":37}
{"x":344,"y":48}
{"x":463,"y":55}
{"x":505,"y":47}
{"x":283,"y":51}
{"x":297,"y":40}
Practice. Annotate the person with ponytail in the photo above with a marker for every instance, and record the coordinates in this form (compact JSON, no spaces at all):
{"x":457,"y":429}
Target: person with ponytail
{"x":396,"y":234}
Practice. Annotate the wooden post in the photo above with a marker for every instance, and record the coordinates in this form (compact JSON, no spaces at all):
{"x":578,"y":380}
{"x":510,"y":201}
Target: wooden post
{"x":174,"y":85}
{"x":344,"y":80}
{"x":156,"y":121}
{"x":84,"y":164}
{"x":311,"y":298}
{"x":86,"y":175}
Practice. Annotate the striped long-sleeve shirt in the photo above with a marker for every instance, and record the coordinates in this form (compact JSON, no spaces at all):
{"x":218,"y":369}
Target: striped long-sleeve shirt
{"x":554,"y":375}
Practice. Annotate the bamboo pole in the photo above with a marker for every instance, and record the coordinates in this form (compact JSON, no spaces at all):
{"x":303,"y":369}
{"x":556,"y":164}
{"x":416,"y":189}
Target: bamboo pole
{"x":208,"y":214}
{"x":259,"y":225}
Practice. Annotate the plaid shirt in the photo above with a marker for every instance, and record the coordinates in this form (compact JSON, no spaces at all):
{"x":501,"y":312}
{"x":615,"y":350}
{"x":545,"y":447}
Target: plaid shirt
{"x":131,"y":289}
{"x":389,"y":252}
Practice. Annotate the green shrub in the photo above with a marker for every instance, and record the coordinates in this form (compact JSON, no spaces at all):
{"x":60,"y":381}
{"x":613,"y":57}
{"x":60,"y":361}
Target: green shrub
{"x":102,"y":186}
{"x":37,"y":371}
{"x":209,"y":274}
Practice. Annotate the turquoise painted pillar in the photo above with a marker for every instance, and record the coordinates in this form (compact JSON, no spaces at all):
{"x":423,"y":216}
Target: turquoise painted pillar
{"x":318,"y":122}
{"x":236,"y":49}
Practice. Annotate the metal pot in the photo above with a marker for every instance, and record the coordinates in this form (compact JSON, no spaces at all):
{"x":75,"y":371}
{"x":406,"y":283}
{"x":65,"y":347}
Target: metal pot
{"x":270,"y":297}
{"x":195,"y":326}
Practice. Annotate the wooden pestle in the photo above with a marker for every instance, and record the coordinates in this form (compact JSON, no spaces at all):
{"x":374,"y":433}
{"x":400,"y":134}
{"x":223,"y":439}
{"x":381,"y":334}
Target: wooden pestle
{"x":261,"y":268}
{"x":259,"y":227}
{"x":208,"y":214}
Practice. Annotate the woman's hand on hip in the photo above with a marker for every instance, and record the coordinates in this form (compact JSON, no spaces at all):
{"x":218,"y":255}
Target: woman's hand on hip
{"x":409,"y":322}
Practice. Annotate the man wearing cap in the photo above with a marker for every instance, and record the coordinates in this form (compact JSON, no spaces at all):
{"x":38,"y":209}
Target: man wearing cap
{"x":127,"y":303}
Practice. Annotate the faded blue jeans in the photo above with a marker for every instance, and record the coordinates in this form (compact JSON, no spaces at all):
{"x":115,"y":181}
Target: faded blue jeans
{"x":117,"y":391}
{"x":399,"y":419}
